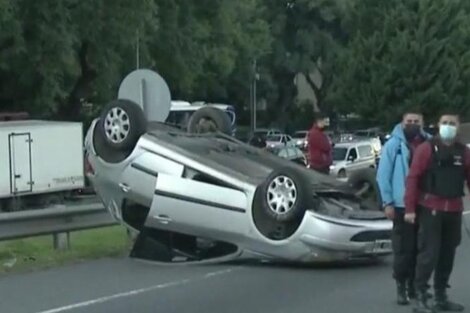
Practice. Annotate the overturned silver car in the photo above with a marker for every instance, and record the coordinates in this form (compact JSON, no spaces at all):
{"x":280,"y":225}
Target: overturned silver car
{"x":193,"y":195}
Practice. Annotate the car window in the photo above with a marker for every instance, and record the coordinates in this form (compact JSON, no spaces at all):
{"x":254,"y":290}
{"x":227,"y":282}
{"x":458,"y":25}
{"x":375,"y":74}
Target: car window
{"x":179,"y":118}
{"x":289,"y":138}
{"x":339,"y":153}
{"x":365,"y":151}
{"x":352,"y":155}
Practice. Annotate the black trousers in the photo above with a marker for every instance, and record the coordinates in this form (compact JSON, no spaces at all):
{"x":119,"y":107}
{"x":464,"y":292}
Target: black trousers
{"x":405,"y":250}
{"x":439,"y":236}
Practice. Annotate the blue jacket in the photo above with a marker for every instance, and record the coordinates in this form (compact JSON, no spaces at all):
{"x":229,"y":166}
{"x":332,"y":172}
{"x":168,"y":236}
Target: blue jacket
{"x":394,"y":167}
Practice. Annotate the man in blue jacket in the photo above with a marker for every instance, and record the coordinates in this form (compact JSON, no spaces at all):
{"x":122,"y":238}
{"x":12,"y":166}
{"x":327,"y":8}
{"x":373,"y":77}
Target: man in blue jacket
{"x":393,"y":168}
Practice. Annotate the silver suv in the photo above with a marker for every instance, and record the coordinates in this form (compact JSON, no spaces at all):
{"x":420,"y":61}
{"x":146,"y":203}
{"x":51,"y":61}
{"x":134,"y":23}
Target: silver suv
{"x":349,"y":157}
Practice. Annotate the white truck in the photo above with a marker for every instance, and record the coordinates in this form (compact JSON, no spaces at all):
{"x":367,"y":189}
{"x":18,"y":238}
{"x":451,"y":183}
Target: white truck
{"x":41,"y":162}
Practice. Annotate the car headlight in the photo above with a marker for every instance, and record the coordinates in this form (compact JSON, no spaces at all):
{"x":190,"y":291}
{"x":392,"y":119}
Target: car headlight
{"x":332,"y":167}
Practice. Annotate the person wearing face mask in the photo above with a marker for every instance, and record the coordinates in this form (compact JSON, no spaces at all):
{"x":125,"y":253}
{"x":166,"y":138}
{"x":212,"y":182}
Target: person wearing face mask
{"x":319,"y":146}
{"x":391,"y":174}
{"x":433,"y":199}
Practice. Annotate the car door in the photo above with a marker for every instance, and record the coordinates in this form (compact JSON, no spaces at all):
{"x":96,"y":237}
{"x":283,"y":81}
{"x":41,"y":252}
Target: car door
{"x":366,"y":156}
{"x":198,"y":208}
{"x":352,"y":160}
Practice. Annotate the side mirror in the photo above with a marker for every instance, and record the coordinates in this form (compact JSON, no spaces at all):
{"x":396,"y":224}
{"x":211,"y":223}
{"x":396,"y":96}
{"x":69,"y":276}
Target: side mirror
{"x":351,"y":158}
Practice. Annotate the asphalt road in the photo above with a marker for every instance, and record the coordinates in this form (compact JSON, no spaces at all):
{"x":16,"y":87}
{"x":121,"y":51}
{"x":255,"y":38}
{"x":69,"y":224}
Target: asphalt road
{"x":125,"y":285}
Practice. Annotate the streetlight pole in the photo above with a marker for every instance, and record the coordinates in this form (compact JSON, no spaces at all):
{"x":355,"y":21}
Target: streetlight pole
{"x":255,"y":106}
{"x":251,"y":108}
{"x":137,"y":51}
{"x":253,"y":93}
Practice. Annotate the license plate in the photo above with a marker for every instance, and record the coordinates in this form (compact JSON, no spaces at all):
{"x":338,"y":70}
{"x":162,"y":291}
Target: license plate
{"x":381,"y":246}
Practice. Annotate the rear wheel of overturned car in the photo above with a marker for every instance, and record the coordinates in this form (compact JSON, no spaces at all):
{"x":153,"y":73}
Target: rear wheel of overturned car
{"x":280,"y":203}
{"x":364,"y":186}
{"x":122,"y":122}
{"x":209,"y":119}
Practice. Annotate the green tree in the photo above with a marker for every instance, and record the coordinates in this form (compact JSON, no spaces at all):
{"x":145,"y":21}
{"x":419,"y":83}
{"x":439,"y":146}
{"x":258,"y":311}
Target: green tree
{"x":54,"y":55}
{"x":105,"y":36}
{"x":401,"y":54}
{"x":204,"y":48}
{"x":10,"y":44}
{"x":306,"y":34}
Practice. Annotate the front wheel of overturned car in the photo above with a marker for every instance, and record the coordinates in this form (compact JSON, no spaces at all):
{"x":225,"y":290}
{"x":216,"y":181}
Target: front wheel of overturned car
{"x":209,"y":119}
{"x":121,"y":124}
{"x":364,"y":186}
{"x":285,"y":195}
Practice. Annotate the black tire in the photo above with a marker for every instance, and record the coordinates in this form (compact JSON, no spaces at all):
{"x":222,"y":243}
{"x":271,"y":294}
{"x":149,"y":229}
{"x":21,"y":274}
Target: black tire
{"x":364,"y":185}
{"x":301,"y":191}
{"x":134,"y":124}
{"x":209,"y":119}
{"x":342,"y":173}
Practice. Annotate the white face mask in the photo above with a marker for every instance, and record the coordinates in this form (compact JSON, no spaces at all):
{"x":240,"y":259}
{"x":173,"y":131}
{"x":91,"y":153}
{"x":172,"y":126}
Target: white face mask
{"x":447,"y":132}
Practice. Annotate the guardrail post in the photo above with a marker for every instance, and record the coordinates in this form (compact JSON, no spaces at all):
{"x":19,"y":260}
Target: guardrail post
{"x":61,"y":241}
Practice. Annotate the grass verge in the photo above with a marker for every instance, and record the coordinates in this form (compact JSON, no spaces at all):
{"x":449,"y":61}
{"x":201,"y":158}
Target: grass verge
{"x":38,"y":252}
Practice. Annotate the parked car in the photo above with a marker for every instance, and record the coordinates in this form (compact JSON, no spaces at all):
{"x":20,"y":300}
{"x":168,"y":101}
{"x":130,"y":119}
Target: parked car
{"x":352,"y":156}
{"x":262,"y":134}
{"x":197,"y":196}
{"x":343,"y":137}
{"x":293,"y":154}
{"x":375,"y":135}
{"x":279,"y":141}
{"x":265,"y":132}
{"x":300,"y":138}
{"x":370,"y":132}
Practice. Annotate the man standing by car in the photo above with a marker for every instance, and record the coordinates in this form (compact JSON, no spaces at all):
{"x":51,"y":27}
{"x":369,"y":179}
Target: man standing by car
{"x":319,"y":146}
{"x":393,"y":167}
{"x":433,"y":199}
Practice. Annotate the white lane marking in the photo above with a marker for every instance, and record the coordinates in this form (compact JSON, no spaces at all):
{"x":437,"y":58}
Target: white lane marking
{"x":134,"y":292}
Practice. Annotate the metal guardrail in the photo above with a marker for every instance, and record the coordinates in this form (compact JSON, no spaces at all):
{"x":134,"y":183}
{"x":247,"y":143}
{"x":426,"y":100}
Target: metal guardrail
{"x":61,"y":219}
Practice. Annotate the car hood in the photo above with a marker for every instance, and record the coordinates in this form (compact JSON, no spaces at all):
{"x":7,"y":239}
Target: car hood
{"x":339,"y":163}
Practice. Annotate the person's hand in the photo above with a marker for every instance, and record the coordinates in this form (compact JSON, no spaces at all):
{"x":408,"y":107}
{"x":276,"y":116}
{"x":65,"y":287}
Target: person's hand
{"x":389,"y":212}
{"x":410,"y":218}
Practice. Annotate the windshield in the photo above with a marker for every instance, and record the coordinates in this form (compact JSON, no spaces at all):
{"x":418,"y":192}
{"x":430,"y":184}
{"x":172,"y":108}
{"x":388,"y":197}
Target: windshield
{"x":339,"y":154}
{"x":274,"y":138}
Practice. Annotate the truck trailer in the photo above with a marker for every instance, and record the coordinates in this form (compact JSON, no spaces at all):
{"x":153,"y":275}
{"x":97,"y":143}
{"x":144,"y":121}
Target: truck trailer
{"x":41,"y":162}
